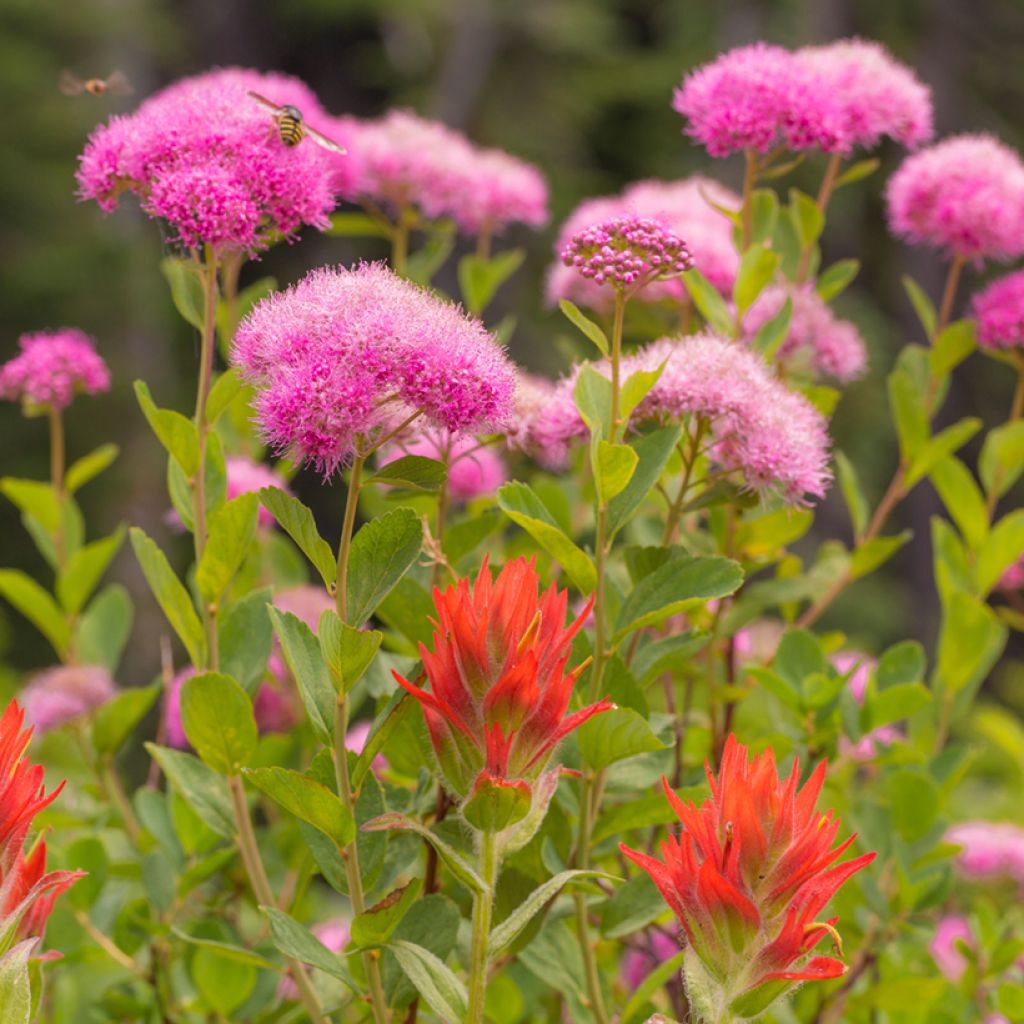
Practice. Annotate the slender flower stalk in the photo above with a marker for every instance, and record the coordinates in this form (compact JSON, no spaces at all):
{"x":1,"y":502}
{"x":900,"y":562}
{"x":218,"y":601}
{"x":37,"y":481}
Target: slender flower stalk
{"x":57,"y":462}
{"x":747,"y":210}
{"x":483,"y":905}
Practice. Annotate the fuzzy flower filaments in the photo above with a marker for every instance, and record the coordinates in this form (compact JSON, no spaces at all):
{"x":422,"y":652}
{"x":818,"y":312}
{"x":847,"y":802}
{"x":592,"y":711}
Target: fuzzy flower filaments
{"x":345,"y":356}
{"x":53,"y":367}
{"x":206,"y":158}
{"x":999,"y":311}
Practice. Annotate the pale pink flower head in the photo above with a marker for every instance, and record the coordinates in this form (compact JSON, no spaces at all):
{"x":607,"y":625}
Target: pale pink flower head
{"x":474,"y":469}
{"x":345,"y":354}
{"x":638,"y":963}
{"x":990,"y":849}
{"x":64,"y":693}
{"x":999,"y":311}
{"x":877,"y":95}
{"x":533,"y":394}
{"x":627,"y":252}
{"x":53,"y":367}
{"x":817,"y":341}
{"x":772,"y":436}
{"x":1013,"y":578}
{"x":683,"y":207}
{"x":355,"y":740}
{"x":964,"y":195}
{"x":759,"y":97}
{"x":859,"y":668}
{"x":245,"y":476}
{"x":205,"y":157}
{"x":334,"y":935}
{"x":948,"y":932}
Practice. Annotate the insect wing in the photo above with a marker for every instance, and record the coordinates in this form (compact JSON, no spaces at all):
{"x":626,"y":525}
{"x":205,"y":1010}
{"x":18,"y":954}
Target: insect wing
{"x":323,"y":141}
{"x":118,"y":84}
{"x":263,"y":99}
{"x":70,"y":84}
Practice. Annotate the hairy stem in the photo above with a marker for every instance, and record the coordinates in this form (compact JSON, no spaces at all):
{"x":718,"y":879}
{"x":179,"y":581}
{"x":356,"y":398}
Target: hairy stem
{"x":483,"y":904}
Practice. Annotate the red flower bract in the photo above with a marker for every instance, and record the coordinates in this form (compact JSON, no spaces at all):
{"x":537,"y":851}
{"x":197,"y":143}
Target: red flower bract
{"x":747,"y":879}
{"x":499,"y":691}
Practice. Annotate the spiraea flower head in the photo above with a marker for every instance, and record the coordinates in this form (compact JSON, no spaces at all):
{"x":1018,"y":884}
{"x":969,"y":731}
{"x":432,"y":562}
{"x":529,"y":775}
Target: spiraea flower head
{"x":345,"y":355}
{"x":685,"y":207}
{"x":989,"y":849}
{"x":627,"y":252}
{"x":53,"y":367}
{"x":64,"y":693}
{"x":964,"y":195}
{"x":759,"y":97}
{"x":206,"y":158}
{"x":748,"y":878}
{"x":999,"y":311}
{"x":499,"y":690}
{"x":876,"y":95}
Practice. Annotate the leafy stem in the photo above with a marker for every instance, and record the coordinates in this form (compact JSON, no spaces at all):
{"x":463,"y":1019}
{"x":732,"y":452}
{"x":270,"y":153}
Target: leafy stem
{"x":483,"y":905}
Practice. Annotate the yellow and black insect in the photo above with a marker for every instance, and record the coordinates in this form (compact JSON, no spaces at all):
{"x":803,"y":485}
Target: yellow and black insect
{"x":115,"y":83}
{"x":292,"y":128}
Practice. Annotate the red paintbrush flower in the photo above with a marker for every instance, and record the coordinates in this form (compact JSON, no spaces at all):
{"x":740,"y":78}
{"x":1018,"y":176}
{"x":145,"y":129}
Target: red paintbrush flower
{"x":499,"y":691}
{"x":747,"y":879}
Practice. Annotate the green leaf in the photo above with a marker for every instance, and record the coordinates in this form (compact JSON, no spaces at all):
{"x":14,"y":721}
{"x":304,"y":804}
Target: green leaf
{"x":907,"y":404}
{"x":902,"y":663}
{"x":1002,"y":458}
{"x":867,"y":557}
{"x":614,"y":735}
{"x":245,"y":637}
{"x":218,"y":720}
{"x":346,"y":650}
{"x":479,"y":279}
{"x":114,"y":722}
{"x":896,"y":703}
{"x":15,"y":988}
{"x":36,"y":498}
{"x":299,"y":943}
{"x":807,"y":217}
{"x":923,"y":306}
{"x":104,"y":628}
{"x":82,"y":572}
{"x":937,"y":448}
{"x":350,"y":224}
{"x":857,"y":172}
{"x":709,"y":303}
{"x":913,"y":802}
{"x":496,"y":804}
{"x":88,"y":466}
{"x":37,"y":606}
{"x":297,"y":521}
{"x":970,"y":640}
{"x":653,"y":452}
{"x":232,"y":529}
{"x":962,"y":498}
{"x":226,"y":388}
{"x":764,"y":214}
{"x":171,"y":595}
{"x":415,"y":471}
{"x":423,"y":264}
{"x":592,"y":394}
{"x":526,"y":509}
{"x":671,"y":587}
{"x":614,"y":468}
{"x":305,"y":662}
{"x":374,"y":927}
{"x":203,"y":789}
{"x":383,"y":551}
{"x":228,"y":951}
{"x":757,"y":268}
{"x":799,"y":655}
{"x":175,"y":432}
{"x":308,"y":800}
{"x":187,"y":290}
{"x":853,"y":493}
{"x":772,"y":333}
{"x":389,"y":718}
{"x":1003,"y":546}
{"x":587,"y":326}
{"x":435,"y":981}
{"x":635,"y":389}
{"x":834,"y":281}
{"x":633,"y":905}
{"x":952,"y":347}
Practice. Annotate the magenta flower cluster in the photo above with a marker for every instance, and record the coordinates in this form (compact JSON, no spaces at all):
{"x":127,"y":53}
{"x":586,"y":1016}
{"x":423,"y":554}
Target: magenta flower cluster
{"x":65,"y":693}
{"x":999,"y":310}
{"x":964,"y":195}
{"x":205,"y":157}
{"x":344,"y":355}
{"x":627,"y":252}
{"x":53,"y":367}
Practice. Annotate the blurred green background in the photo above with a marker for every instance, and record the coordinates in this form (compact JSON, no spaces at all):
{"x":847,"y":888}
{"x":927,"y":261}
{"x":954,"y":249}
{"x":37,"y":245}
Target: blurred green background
{"x":580,"y":87}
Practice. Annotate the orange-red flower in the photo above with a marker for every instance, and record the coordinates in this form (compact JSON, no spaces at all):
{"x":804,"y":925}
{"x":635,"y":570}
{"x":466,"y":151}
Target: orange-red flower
{"x":747,"y":878}
{"x":499,"y":691}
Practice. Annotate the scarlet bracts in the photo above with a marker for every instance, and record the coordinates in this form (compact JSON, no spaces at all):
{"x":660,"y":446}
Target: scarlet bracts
{"x":747,"y":878}
{"x":499,"y":691}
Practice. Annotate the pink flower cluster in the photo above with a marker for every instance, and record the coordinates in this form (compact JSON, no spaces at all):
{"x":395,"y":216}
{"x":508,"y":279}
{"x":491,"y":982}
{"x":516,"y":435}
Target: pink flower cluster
{"x":533,"y":397}
{"x":769,"y":434}
{"x":1013,"y":578}
{"x":245,"y":476}
{"x":684,"y":208}
{"x":474,"y":469}
{"x":990,"y":849}
{"x":999,"y":310}
{"x":345,"y":353}
{"x":627,"y":252}
{"x":876,"y":95}
{"x":817,"y":340}
{"x":52,"y":367}
{"x":65,"y":692}
{"x":867,"y":747}
{"x":207,"y":158}
{"x":405,"y":160}
{"x":964,"y":195}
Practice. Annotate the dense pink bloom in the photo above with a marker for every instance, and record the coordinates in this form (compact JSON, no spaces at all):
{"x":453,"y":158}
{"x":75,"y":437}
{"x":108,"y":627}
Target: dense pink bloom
{"x":876,"y":94}
{"x":965,"y":195}
{"x":53,"y":367}
{"x":207,"y":158}
{"x":345,"y":353}
{"x":474,"y":469}
{"x":943,"y":948}
{"x":1013,"y":578}
{"x":638,"y":963}
{"x":65,"y":692}
{"x":683,"y":207}
{"x":771,"y":435}
{"x":355,"y":740}
{"x":533,"y":393}
{"x":627,"y":252}
{"x":759,"y":97}
{"x":860,"y":667}
{"x":999,"y":310}
{"x":990,"y":849}
{"x":405,"y":160}
{"x":334,"y":935}
{"x":816,"y":340}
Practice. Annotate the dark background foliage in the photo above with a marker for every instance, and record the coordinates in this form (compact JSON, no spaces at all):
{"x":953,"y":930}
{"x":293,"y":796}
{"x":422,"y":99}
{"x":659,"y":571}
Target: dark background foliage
{"x":581,"y":87}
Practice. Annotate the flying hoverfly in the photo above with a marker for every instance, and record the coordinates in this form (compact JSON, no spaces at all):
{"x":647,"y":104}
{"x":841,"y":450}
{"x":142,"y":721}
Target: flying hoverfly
{"x":115,"y":83}
{"x":292,"y":128}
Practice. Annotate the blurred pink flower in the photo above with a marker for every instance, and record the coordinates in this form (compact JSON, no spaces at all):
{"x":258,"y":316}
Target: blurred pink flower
{"x":63,"y":693}
{"x":638,"y":963}
{"x":334,"y":935}
{"x":306,"y":603}
{"x":355,"y":740}
{"x":244,"y":476}
{"x":860,"y":667}
{"x":474,"y":469}
{"x":532,"y":396}
{"x":943,"y":947}
{"x":52,"y":367}
{"x":964,"y":195}
{"x":759,"y":97}
{"x":207,"y":158}
{"x":999,"y":310}
{"x":876,"y":95}
{"x":344,"y":354}
{"x":990,"y":849}
{"x":1013,"y":578}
